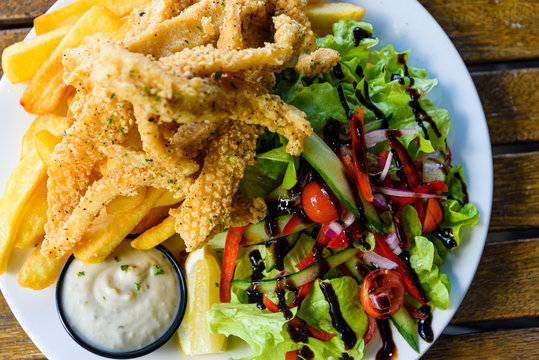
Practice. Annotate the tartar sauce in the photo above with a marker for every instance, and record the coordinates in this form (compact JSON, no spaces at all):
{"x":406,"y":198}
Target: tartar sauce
{"x":123,"y":303}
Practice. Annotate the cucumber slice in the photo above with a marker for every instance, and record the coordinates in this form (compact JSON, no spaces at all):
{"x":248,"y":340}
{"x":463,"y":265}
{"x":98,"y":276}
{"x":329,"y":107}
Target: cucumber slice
{"x":330,"y":167}
{"x":406,"y":327}
{"x":299,"y":278}
{"x":256,"y":233}
{"x":274,"y":250}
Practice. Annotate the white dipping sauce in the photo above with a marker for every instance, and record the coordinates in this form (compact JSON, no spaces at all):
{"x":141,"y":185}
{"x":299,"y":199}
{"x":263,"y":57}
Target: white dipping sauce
{"x":123,"y":303}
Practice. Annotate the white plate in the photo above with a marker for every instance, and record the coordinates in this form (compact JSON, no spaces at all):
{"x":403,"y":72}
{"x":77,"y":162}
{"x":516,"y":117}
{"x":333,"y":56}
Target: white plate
{"x":405,"y":24}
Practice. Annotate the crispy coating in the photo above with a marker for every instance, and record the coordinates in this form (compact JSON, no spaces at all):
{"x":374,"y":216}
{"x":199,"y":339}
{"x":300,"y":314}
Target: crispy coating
{"x":145,"y":83}
{"x":318,"y":62}
{"x":197,"y":25}
{"x":210,"y":197}
{"x":159,"y":150}
{"x":275,"y":56}
{"x":246,"y":211}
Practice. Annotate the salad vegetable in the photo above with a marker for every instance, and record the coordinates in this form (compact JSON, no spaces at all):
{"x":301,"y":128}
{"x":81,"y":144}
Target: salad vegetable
{"x":359,"y":226}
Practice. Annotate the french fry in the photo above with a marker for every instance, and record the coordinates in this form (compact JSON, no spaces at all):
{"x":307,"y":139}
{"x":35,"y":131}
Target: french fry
{"x":126,"y":203}
{"x":28,"y":174}
{"x":167,"y":200}
{"x":31,"y":230}
{"x":56,"y":125}
{"x":39,"y":272}
{"x":108,"y":231}
{"x":323,"y":15}
{"x":22,"y":60}
{"x":45,"y":143}
{"x":155,"y":216}
{"x":47,"y":88}
{"x":155,"y":235}
{"x":68,"y":15}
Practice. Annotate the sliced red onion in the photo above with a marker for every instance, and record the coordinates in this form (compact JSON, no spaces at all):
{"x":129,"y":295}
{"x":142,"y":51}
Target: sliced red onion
{"x":407,"y":193}
{"x":374,"y":259}
{"x":333,"y":229}
{"x":380,"y":201}
{"x":386,"y":166}
{"x":374,"y":137}
{"x":392,"y":242}
{"x":348,"y":219}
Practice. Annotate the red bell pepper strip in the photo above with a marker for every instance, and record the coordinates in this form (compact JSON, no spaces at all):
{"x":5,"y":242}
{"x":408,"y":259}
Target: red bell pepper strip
{"x":359,"y":153}
{"x":294,"y":221}
{"x":433,"y":217}
{"x":230,"y":253}
{"x":316,"y":252}
{"x":371,"y":329}
{"x":301,"y":295}
{"x":299,"y":323}
{"x":418,"y":205}
{"x":406,"y":160}
{"x":382,"y":249}
{"x":292,"y":355}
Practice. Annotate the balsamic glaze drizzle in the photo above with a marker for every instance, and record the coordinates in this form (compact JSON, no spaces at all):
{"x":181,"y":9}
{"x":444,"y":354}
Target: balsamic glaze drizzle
{"x":306,"y":353}
{"x":424,"y":326}
{"x":360,"y":34}
{"x":388,"y":350}
{"x":344,"y":103}
{"x":348,"y":335}
{"x":337,"y":71}
{"x":446,"y":237}
{"x":366,"y":101}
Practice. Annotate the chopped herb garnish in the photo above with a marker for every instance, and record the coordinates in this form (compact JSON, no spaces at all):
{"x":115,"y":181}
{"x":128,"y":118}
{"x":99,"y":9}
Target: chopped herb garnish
{"x":210,"y":220}
{"x":137,"y":286}
{"x":109,"y":120}
{"x":170,"y":181}
{"x":218,"y":75}
{"x":158,"y":270}
{"x":112,"y":95}
{"x":80,"y":273}
{"x":199,"y":28}
{"x":117,"y":259}
{"x":124,"y":267}
{"x":186,"y":41}
{"x":228,"y":155}
{"x":157,"y":98}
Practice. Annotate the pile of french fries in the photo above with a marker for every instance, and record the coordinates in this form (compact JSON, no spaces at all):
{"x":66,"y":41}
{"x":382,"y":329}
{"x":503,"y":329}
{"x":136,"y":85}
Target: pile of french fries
{"x":23,"y":207}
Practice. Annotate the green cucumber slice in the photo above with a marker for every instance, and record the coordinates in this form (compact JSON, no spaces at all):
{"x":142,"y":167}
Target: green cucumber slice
{"x":406,"y":327}
{"x":272,"y":250}
{"x":330,"y":167}
{"x":299,"y":278}
{"x":256,"y":233}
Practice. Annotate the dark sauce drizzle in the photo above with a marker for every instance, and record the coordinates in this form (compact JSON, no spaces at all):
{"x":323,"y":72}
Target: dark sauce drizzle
{"x":348,"y":335}
{"x":345,"y":356}
{"x":332,"y":197}
{"x":424,"y":326}
{"x":298,"y":335}
{"x":281,"y":247}
{"x":257,"y":264}
{"x":306,"y":353}
{"x":360,"y":34}
{"x":388,"y":350}
{"x":283,"y":306}
{"x":464,"y":188}
{"x":344,"y":103}
{"x":405,"y":257}
{"x":331,"y":134}
{"x":446,"y":237}
{"x":337,"y":72}
{"x":366,"y":101}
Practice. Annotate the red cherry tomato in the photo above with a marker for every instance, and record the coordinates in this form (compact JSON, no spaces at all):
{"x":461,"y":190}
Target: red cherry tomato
{"x":318,"y":203}
{"x":382,"y":293}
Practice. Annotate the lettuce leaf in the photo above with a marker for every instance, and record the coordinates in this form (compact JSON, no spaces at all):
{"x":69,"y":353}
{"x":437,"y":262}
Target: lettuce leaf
{"x":457,"y":216}
{"x":435,"y":283}
{"x":272,"y":340}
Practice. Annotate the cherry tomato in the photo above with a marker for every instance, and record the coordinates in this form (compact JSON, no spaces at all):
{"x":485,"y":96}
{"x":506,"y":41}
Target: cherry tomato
{"x":382,"y":293}
{"x":319,"y":204}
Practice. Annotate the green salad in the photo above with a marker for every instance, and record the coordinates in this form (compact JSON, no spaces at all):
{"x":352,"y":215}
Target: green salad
{"x":359,"y":225}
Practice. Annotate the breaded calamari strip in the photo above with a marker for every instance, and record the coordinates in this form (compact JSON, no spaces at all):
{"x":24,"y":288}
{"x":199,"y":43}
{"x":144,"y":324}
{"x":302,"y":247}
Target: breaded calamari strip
{"x":158,"y":149}
{"x":144,"y":83}
{"x":210,"y":197}
{"x":294,"y":9}
{"x":193,"y":137}
{"x":196,"y":25}
{"x":99,"y":120}
{"x":154,"y":12}
{"x":318,"y":62}
{"x":275,"y":56}
{"x":120,"y":182}
{"x":230,"y":36}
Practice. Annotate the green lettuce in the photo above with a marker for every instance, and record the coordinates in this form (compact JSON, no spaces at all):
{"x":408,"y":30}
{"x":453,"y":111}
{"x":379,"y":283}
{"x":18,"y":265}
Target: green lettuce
{"x":435,"y":283}
{"x":272,"y":340}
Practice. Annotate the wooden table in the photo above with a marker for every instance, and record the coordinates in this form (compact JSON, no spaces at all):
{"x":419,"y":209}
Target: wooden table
{"x":499,"y":317}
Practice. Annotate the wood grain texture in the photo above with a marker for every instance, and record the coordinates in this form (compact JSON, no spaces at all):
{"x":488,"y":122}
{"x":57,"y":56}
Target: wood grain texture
{"x":513,"y":344}
{"x":14,"y":343}
{"x":516,"y":192}
{"x":489,"y":31}
{"x":8,"y":37}
{"x":510,"y":100}
{"x":505,"y":285}
{"x":14,"y":12}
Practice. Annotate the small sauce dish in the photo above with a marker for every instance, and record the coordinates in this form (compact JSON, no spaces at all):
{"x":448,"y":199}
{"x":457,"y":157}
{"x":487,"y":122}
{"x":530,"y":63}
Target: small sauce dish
{"x":125,"y":307}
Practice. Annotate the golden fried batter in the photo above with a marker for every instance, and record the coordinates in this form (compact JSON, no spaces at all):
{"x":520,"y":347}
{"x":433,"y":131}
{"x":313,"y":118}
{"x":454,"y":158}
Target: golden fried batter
{"x":318,"y":62}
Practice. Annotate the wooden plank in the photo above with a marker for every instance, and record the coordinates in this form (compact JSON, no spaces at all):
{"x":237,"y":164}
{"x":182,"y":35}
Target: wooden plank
{"x":505,"y":285}
{"x":511,"y":103}
{"x":516,"y":192}
{"x":8,"y":37}
{"x":489,"y":31}
{"x":14,"y":12}
{"x":14,"y":343}
{"x":512,"y":344}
